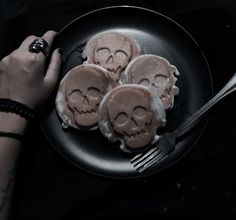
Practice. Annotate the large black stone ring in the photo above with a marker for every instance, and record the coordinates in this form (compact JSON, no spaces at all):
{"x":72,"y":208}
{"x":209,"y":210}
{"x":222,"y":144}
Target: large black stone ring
{"x":38,"y":45}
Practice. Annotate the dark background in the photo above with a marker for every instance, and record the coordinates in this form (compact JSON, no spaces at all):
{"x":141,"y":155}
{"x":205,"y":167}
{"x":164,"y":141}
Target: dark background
{"x":200,"y":186}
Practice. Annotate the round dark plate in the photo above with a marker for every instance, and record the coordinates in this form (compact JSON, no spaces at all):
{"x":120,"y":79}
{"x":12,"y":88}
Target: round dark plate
{"x":157,"y":34}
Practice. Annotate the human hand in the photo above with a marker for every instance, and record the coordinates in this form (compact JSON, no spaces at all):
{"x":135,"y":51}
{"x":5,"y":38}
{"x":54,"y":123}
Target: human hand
{"x":23,"y":77}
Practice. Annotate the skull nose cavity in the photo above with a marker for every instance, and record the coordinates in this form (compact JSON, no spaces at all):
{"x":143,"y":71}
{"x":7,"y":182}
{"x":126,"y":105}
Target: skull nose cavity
{"x":133,"y":124}
{"x":85,"y":100}
{"x":110,"y":59}
{"x":154,"y":85}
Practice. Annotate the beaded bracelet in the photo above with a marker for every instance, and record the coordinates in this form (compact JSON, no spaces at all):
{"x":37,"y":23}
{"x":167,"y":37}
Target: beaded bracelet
{"x":8,"y":105}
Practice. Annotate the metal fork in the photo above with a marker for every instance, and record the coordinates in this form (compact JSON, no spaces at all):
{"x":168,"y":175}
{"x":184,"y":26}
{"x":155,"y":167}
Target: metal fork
{"x":167,"y":141}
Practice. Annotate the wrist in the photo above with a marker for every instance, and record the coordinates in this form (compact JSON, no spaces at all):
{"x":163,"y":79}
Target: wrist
{"x":11,"y":122}
{"x":12,"y":106}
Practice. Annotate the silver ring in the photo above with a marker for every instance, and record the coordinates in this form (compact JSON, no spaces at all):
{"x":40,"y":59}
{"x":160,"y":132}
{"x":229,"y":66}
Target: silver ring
{"x":38,"y":45}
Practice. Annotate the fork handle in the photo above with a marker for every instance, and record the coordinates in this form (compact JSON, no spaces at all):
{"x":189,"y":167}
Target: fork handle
{"x":190,"y":123}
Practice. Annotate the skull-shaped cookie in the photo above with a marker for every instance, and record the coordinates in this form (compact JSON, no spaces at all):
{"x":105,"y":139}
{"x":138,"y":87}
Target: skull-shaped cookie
{"x":80,"y":93}
{"x":154,"y":72}
{"x":111,"y":50}
{"x":131,"y":114}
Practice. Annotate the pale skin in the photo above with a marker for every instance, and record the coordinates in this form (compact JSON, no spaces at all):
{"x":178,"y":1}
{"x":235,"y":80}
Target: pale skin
{"x":23,"y":78}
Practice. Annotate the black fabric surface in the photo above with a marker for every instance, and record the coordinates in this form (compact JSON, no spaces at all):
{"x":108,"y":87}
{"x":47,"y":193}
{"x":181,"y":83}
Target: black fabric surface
{"x":200,"y":186}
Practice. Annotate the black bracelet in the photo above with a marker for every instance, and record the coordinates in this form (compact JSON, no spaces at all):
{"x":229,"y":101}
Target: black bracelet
{"x":19,"y":137}
{"x":8,"y":105}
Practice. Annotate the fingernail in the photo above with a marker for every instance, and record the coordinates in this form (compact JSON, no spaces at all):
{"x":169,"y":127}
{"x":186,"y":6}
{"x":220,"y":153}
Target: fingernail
{"x":60,"y":51}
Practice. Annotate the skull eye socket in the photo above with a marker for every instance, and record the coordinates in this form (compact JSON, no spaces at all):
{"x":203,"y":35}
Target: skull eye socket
{"x":121,"y":118}
{"x":144,"y":82}
{"x":103,"y":52}
{"x":120,"y":55}
{"x":160,"y":80}
{"x":93,"y":93}
{"x":74,"y":95}
{"x":139,"y":112}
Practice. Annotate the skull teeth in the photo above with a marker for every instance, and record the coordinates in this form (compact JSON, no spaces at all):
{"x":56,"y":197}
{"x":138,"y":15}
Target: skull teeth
{"x":87,"y":112}
{"x":138,"y":133}
{"x":113,"y":69}
{"x":92,"y":111}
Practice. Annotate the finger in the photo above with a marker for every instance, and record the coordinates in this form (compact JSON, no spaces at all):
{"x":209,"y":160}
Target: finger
{"x":53,"y":70}
{"x":25,"y":44}
{"x":49,"y":38}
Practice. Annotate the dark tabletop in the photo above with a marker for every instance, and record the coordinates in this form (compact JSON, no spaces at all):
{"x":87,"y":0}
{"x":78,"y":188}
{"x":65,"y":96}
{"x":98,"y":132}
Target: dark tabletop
{"x":200,"y":186}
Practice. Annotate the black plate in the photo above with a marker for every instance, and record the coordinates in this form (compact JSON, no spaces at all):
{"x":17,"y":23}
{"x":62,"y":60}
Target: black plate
{"x":157,"y":34}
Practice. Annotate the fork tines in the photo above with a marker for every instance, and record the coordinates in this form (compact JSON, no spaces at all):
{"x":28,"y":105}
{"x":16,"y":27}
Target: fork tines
{"x":143,"y":161}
